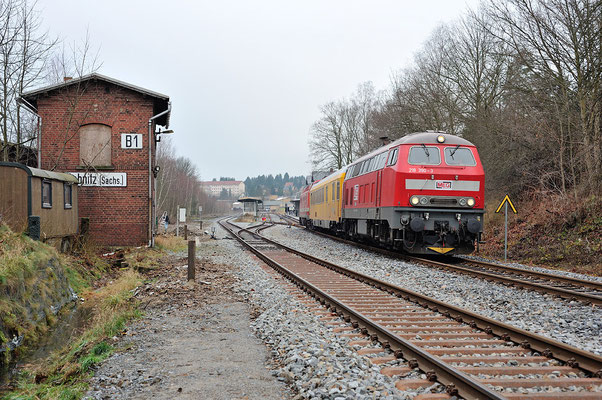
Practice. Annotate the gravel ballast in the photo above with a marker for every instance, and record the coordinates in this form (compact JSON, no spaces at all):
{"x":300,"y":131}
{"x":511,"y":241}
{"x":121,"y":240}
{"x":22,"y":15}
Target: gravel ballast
{"x":316,"y":362}
{"x":570,"y":322}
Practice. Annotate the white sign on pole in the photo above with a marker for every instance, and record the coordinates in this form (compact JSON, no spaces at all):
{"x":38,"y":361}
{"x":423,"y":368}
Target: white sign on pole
{"x":131,"y":140}
{"x":182,"y":217}
{"x":104,"y":179}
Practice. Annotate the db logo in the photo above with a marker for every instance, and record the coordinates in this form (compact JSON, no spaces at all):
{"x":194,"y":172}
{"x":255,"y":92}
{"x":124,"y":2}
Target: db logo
{"x":445,"y":185}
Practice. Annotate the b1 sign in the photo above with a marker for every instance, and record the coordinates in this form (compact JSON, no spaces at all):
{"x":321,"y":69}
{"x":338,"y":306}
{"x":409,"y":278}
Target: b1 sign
{"x":131,"y":140}
{"x":182,"y":216}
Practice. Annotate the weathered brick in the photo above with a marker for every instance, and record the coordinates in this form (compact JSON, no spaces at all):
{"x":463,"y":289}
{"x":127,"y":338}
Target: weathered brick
{"x":118,"y":215}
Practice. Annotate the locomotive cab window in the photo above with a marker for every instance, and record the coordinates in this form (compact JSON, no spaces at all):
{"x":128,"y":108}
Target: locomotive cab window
{"x":461,"y":156}
{"x":46,"y":194}
{"x":393,"y":156}
{"x":382,"y":160}
{"x":424,"y":155}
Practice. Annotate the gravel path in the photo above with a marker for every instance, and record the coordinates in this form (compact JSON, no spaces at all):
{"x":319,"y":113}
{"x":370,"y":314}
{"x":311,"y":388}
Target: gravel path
{"x":569,"y":322}
{"x":194,"y":342}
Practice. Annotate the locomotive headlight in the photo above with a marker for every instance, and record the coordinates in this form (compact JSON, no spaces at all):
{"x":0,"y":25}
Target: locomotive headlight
{"x":470,"y":202}
{"x":440,"y":138}
{"x":462,"y":202}
{"x":414,"y":200}
{"x":424,"y":201}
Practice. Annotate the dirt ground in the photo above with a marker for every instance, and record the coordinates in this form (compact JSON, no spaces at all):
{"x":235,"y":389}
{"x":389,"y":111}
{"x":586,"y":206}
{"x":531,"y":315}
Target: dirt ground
{"x":193,"y":343}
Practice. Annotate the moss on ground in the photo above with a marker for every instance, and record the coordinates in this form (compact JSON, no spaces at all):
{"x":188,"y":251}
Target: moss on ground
{"x":109,"y":305}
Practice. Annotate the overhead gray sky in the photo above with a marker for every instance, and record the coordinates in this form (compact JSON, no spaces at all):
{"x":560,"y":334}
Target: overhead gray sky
{"x":246,"y":78}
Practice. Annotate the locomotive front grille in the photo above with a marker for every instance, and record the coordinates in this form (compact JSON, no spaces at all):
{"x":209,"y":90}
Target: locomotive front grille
{"x":444,"y":201}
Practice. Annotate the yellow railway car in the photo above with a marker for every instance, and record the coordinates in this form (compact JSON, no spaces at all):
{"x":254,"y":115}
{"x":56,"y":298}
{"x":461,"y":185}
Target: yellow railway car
{"x":325,"y":200}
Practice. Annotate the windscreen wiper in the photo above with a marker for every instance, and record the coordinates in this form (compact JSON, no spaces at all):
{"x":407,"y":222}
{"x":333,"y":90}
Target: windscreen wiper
{"x":454,"y":151}
{"x":426,"y":151}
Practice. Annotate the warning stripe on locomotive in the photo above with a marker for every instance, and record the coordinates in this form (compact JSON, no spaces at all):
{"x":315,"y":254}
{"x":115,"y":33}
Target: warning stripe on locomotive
{"x":441,"y":250}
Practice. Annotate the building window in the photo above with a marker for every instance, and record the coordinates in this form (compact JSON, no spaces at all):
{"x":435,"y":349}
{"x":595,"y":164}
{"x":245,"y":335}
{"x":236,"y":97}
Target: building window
{"x":46,"y":194}
{"x":95,"y":145}
{"x":68,"y":195}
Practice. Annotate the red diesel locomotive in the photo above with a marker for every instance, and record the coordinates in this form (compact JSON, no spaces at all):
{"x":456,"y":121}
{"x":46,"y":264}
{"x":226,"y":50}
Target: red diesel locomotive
{"x":423,"y":194}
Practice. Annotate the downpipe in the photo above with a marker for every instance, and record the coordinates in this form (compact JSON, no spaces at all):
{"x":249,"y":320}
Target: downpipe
{"x":151,"y":202}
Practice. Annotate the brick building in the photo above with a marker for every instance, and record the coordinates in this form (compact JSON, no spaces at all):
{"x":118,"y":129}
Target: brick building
{"x":98,"y":129}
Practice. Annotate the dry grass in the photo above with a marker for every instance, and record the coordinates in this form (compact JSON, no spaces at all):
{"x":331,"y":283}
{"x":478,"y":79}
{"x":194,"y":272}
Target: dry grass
{"x":65,"y":375}
{"x":551,"y":231}
{"x":245,"y":218}
{"x":20,"y":256}
{"x":172,"y":243}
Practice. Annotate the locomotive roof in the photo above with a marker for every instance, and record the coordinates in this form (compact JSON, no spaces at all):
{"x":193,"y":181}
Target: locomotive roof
{"x":431,"y":138}
{"x":330,"y":177}
{"x":419,"y":138}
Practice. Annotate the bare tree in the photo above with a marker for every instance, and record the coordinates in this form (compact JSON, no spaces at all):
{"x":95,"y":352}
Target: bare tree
{"x":74,"y":61}
{"x":24,"y":51}
{"x":328,"y":145}
{"x":345,"y":130}
{"x":560,"y":43}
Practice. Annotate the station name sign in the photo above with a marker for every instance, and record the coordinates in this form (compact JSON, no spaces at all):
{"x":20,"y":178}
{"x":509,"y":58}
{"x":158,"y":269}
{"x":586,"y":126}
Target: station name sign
{"x":103,"y":179}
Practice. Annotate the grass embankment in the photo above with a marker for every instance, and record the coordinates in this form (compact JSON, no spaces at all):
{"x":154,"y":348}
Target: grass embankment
{"x":109,"y":304}
{"x":554,"y":232}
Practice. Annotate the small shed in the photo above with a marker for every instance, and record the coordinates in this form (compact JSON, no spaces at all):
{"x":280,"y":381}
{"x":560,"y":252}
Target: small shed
{"x":39,"y":202}
{"x":250,"y":204}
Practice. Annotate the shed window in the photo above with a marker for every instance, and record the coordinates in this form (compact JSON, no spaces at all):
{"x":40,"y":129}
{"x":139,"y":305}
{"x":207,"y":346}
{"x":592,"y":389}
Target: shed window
{"x":68,"y":195}
{"x":46,"y":194}
{"x":95,"y":145}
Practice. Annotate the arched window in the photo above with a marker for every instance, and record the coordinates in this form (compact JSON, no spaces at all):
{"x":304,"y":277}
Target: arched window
{"x":95,"y":145}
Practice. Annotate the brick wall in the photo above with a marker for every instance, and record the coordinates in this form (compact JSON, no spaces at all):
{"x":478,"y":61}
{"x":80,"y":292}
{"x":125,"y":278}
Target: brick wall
{"x":118,"y":215}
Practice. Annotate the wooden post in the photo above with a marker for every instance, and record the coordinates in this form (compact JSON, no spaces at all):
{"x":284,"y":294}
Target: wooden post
{"x":191,"y":259}
{"x":185,"y":232}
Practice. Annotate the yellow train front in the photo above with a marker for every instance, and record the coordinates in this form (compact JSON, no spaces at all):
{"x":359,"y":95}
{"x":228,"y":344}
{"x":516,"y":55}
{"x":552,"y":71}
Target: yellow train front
{"x":325,"y":202}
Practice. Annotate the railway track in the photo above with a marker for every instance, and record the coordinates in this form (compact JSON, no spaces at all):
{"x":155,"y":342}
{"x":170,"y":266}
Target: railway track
{"x":472,"y":356}
{"x":588,"y":292}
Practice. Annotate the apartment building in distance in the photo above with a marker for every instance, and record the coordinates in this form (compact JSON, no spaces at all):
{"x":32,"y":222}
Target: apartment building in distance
{"x":233,"y":189}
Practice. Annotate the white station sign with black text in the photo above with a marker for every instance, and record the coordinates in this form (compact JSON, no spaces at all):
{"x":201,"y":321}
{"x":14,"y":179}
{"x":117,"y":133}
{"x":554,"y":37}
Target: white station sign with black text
{"x":131,"y":140}
{"x":104,"y":179}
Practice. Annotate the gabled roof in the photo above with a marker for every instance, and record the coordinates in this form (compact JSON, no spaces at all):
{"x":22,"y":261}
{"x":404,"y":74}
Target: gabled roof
{"x":160,"y":100}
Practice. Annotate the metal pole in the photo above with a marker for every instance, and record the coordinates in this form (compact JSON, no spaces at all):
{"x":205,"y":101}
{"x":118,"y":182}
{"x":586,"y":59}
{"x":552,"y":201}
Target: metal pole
{"x":178,"y":221}
{"x":506,"y":231}
{"x":191,"y":259}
